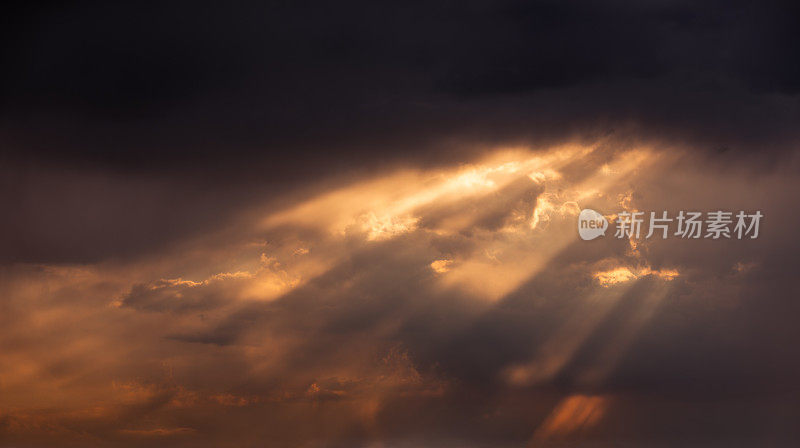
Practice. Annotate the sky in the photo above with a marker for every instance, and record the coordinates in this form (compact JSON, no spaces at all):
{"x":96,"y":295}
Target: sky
{"x":354,"y":224}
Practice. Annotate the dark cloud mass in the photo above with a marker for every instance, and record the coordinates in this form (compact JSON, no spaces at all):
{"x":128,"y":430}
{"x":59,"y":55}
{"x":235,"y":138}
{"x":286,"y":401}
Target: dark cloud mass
{"x":148,"y":84}
{"x":352,"y":224}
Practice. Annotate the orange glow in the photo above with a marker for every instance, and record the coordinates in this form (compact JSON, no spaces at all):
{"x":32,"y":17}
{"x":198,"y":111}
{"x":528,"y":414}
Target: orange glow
{"x":572,"y":415}
{"x":623,"y":274}
{"x":259,"y":295}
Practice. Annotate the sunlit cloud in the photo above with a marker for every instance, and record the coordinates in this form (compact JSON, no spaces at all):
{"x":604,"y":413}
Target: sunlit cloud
{"x":625,"y":274}
{"x":441,"y":266}
{"x":525,"y":249}
{"x":360,"y":303}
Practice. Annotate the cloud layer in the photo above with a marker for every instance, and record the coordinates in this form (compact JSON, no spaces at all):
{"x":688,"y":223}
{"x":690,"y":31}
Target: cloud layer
{"x":453,"y":306}
{"x":354,"y":224}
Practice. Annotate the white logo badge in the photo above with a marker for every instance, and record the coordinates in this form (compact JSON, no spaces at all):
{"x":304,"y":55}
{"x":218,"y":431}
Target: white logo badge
{"x":591,"y":224}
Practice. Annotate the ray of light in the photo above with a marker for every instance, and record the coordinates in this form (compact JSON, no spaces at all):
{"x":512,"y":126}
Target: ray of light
{"x":562,"y":345}
{"x":504,"y":262}
{"x":394,"y":198}
{"x":572,"y":415}
{"x":612,"y":352}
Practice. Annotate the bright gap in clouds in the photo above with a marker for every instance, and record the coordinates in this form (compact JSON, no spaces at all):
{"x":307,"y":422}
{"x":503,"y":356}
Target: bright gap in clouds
{"x":518,"y":209}
{"x":313,"y":304}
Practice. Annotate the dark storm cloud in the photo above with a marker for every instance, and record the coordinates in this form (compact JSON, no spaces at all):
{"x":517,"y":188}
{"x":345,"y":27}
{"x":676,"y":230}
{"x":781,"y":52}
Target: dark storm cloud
{"x":258,"y":97}
{"x":187,"y":84}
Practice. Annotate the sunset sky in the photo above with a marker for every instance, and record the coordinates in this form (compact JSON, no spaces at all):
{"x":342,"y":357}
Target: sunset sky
{"x":355,"y":224}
